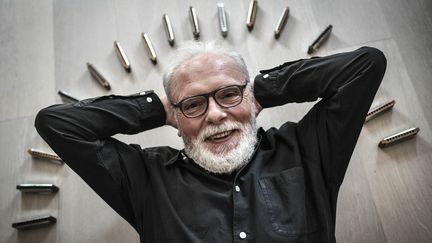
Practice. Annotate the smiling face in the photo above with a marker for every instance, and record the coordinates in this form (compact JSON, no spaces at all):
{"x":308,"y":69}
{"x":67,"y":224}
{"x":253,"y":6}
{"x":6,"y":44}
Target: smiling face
{"x":222,"y":139}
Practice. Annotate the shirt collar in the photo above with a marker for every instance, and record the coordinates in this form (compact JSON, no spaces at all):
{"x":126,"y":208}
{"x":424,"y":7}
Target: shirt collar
{"x":180,"y":155}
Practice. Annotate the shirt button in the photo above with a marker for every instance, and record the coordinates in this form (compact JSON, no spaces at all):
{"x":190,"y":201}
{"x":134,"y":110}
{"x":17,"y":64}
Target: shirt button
{"x":266,"y":75}
{"x":149,"y":99}
{"x":242,"y":235}
{"x":237,"y":188}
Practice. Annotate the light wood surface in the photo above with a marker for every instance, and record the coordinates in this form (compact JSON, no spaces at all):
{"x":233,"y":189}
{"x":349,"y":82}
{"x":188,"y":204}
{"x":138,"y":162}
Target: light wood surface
{"x":45,"y":45}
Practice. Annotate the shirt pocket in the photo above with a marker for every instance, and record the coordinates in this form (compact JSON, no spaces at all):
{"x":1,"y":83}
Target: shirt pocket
{"x":287,"y":203}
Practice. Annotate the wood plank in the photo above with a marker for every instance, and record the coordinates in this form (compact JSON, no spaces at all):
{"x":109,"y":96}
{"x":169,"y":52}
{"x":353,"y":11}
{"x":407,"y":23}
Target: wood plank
{"x":17,"y":166}
{"x":27,"y":57}
{"x":46,"y":44}
{"x":399,"y":175}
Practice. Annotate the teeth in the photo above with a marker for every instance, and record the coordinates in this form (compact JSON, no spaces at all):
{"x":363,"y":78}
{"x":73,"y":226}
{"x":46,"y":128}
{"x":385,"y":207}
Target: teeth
{"x":220,"y":135}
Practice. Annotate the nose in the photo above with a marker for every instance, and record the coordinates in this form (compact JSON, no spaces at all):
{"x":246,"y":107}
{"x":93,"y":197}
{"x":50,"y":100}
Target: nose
{"x":215,"y":113}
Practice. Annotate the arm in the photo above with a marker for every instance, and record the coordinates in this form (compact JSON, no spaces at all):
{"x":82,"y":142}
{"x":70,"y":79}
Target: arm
{"x":81,"y":133}
{"x":347,"y":84}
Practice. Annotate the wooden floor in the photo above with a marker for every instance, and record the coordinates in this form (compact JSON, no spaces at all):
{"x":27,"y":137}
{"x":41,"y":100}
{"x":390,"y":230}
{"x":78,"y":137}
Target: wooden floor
{"x":45,"y":45}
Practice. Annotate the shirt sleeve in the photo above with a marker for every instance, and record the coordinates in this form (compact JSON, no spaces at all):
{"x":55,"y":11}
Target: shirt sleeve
{"x":80,"y":134}
{"x":346,"y":82}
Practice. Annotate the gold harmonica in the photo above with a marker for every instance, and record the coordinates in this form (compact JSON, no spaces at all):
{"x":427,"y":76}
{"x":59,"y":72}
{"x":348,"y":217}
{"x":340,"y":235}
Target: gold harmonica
{"x":379,"y":110}
{"x":250,"y":21}
{"x":320,"y":40}
{"x":223,"y":25}
{"x":281,"y":23}
{"x":98,"y":76}
{"x":149,"y":47}
{"x":168,"y":29}
{"x":194,"y":22}
{"x":40,"y":154}
{"x":38,"y":188}
{"x":399,"y":137}
{"x":122,"y":56}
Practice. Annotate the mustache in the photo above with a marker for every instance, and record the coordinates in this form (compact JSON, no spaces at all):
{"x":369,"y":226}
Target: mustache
{"x":215,"y":129}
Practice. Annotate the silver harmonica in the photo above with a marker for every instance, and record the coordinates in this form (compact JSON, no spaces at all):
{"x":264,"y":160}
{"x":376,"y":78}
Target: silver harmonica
{"x":194,"y":22}
{"x":281,"y":23}
{"x":34,"y":223}
{"x":149,"y":47}
{"x":399,"y":137}
{"x":122,"y":56}
{"x":222,"y":19}
{"x":40,"y":154}
{"x":320,"y":40}
{"x":98,"y":76}
{"x":379,"y":110}
{"x":250,"y":21}
{"x":168,"y":29}
{"x":38,"y":188}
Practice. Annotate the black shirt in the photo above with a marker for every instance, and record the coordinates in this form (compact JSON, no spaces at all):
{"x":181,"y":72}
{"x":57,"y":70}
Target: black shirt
{"x":286,"y":193}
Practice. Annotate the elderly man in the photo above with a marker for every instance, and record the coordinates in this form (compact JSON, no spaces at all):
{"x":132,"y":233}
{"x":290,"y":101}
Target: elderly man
{"x":232,"y":182}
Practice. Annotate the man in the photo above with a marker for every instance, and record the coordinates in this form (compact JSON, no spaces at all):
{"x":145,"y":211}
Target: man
{"x":232,"y":182}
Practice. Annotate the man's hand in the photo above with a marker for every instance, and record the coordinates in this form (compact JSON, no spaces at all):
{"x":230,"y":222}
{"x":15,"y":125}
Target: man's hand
{"x":170,"y":119}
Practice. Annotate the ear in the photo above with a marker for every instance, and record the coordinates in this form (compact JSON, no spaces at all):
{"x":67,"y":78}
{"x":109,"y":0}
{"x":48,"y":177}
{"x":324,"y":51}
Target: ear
{"x":176,"y":123}
{"x":258,"y":107}
{"x":256,"y":104}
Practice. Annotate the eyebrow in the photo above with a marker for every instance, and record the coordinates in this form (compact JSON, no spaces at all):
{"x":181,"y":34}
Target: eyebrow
{"x":176,"y":103}
{"x":203,"y":93}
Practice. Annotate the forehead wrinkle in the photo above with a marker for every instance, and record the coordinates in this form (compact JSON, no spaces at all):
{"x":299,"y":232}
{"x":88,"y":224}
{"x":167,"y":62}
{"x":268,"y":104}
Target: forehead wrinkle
{"x":203,"y":65}
{"x":206,"y":64}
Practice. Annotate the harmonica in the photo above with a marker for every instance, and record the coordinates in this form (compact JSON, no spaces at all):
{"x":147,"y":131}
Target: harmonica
{"x":40,"y":154}
{"x":34,"y":223}
{"x":222,"y":19}
{"x":399,"y":137}
{"x":281,"y":23}
{"x":122,"y":56}
{"x":149,"y":47}
{"x":98,"y":76}
{"x":194,"y":22}
{"x":379,"y":110}
{"x":320,"y":40}
{"x":67,"y":96}
{"x":38,"y":188}
{"x":168,"y":29}
{"x":250,"y":21}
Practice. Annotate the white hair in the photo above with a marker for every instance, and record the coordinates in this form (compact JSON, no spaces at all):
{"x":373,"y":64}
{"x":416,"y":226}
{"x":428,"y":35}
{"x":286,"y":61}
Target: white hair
{"x":191,"y":49}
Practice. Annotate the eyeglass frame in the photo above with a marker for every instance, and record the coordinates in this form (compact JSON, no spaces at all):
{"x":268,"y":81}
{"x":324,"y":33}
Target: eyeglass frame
{"x":212,"y":94}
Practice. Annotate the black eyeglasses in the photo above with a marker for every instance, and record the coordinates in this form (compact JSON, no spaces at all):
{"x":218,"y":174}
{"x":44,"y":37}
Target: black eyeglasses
{"x":225,"y":97}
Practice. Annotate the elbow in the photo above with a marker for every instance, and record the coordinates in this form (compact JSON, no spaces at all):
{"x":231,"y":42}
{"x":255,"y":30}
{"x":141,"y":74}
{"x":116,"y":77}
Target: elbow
{"x":377,"y":60}
{"x":43,"y":122}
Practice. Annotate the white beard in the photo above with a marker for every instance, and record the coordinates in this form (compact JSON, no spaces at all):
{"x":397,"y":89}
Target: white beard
{"x":229,"y":157}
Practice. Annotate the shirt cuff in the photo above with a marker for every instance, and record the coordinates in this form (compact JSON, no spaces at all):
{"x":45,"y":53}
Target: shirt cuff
{"x":152,"y":110}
